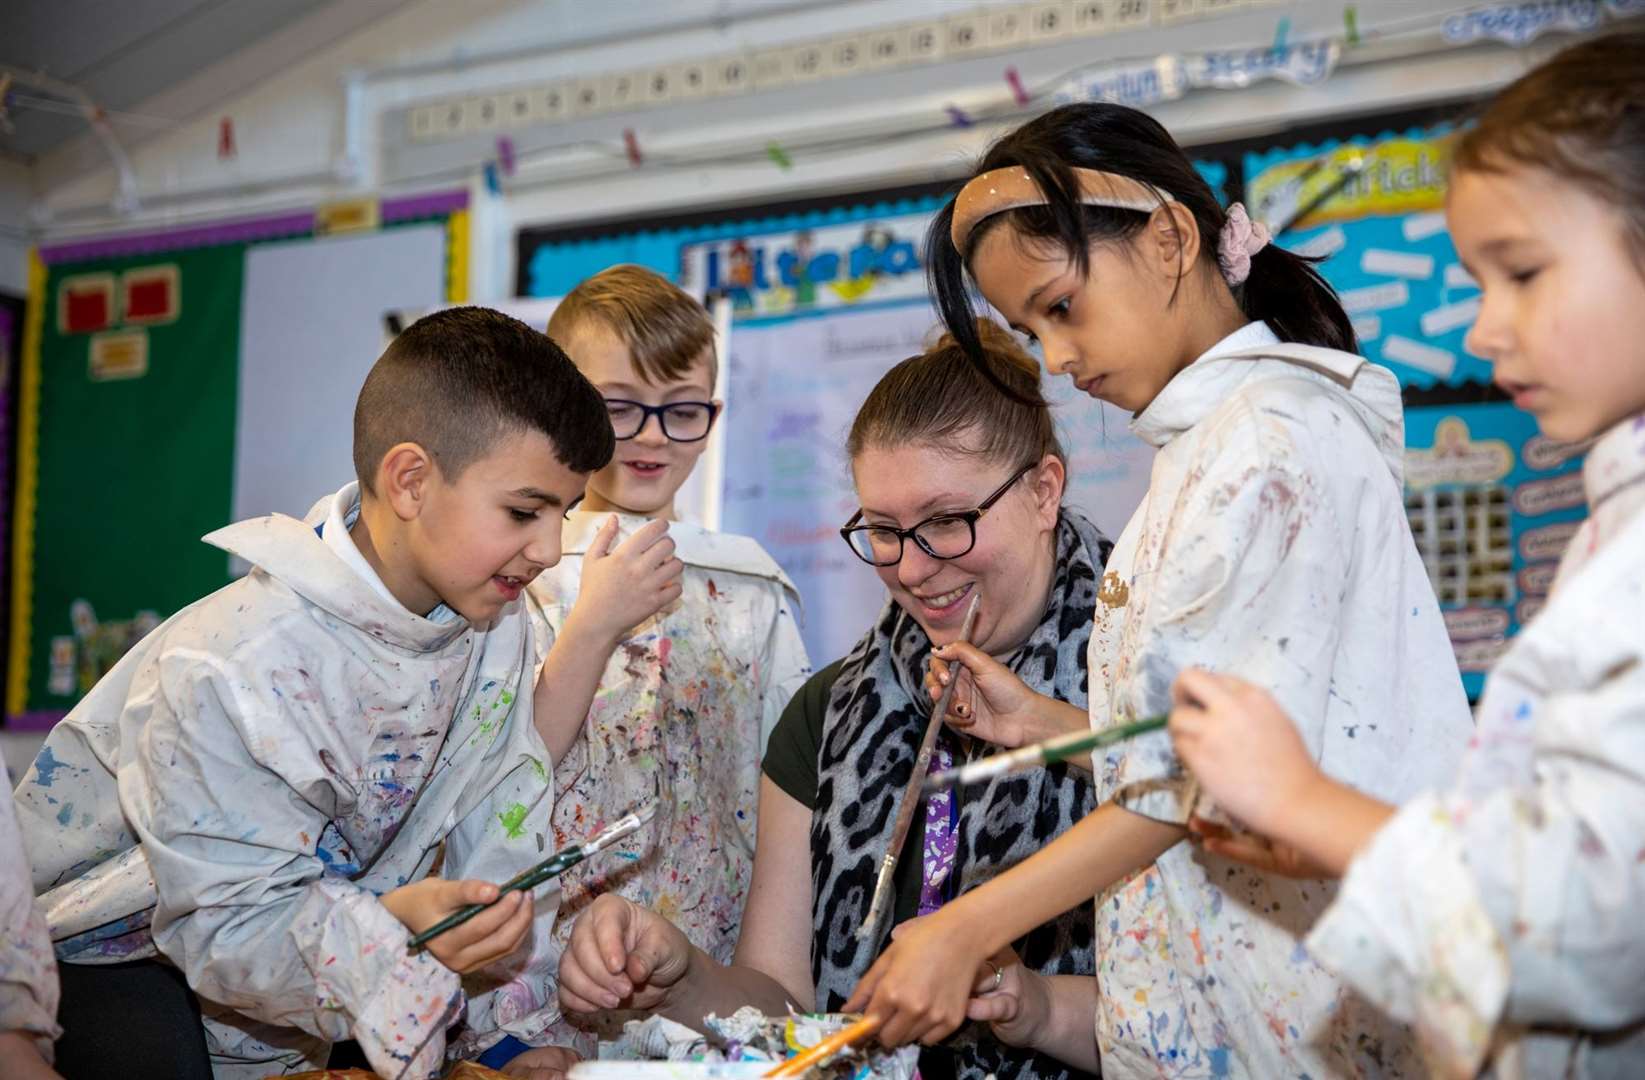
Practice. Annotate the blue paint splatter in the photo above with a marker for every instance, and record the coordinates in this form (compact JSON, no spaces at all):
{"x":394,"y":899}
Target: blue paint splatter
{"x":334,"y":865}
{"x":45,"y":767}
{"x":1219,"y":1061}
{"x":65,"y":815}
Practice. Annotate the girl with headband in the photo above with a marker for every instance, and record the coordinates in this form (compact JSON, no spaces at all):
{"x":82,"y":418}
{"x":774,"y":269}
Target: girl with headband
{"x":1272,"y":543}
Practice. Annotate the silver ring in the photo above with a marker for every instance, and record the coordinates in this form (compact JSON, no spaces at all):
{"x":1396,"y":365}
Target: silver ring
{"x":999,"y":976}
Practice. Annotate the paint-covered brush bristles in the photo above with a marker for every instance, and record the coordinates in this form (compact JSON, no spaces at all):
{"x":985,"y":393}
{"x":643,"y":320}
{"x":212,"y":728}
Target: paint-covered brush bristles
{"x":629,"y":823}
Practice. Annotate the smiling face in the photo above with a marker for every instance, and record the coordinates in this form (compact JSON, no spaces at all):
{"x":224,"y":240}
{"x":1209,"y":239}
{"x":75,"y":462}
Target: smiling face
{"x":1562,"y":318}
{"x":649,"y":468}
{"x":475,"y":544}
{"x":1116,"y":331}
{"x":1011,"y":563}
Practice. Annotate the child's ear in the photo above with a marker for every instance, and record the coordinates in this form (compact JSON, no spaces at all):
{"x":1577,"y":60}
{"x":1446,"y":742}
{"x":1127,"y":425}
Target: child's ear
{"x":1172,"y":237}
{"x":403,"y":479}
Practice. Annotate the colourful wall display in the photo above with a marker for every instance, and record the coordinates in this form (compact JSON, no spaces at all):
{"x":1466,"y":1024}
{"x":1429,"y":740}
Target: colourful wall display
{"x":1491,"y":502}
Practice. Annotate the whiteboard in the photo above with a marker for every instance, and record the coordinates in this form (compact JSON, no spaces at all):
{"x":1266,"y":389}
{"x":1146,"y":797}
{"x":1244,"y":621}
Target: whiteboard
{"x":311,"y":326}
{"x":794,"y":387}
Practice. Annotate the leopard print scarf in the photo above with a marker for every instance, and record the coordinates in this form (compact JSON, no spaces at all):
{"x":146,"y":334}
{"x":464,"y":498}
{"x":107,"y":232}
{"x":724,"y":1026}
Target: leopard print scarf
{"x":877,"y":712}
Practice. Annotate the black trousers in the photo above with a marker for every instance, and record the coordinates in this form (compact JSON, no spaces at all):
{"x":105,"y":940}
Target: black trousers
{"x":132,"y":1021}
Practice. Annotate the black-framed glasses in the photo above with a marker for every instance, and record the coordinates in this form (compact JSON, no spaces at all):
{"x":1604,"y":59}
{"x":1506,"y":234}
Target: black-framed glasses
{"x":941,"y":536}
{"x":681,"y":421}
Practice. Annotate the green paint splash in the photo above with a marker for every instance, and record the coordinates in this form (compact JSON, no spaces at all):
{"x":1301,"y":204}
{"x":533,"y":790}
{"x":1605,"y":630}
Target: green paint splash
{"x":513,"y":820}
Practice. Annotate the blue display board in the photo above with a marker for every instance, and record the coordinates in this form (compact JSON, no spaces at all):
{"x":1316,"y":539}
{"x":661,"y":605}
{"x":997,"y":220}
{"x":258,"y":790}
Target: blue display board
{"x":1492,"y":502}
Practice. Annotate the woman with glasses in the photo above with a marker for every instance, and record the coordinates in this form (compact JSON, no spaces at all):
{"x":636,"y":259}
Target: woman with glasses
{"x":960,"y":490}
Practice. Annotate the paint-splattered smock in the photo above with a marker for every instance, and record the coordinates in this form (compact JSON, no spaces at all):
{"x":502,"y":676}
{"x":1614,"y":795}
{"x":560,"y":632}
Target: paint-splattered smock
{"x":1272,"y":544}
{"x":683,"y":709}
{"x":28,"y":973}
{"x":258,"y":770}
{"x":1502,"y":915}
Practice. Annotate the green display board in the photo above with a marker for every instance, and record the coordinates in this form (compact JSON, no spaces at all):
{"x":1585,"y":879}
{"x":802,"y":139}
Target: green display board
{"x":135,"y":441}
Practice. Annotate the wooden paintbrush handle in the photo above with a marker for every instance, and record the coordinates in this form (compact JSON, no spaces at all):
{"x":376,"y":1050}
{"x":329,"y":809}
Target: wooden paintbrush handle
{"x":847,"y":1036}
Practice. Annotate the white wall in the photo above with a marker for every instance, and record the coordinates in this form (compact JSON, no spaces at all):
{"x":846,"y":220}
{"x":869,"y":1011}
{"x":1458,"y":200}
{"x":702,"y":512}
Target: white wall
{"x":292,"y":135}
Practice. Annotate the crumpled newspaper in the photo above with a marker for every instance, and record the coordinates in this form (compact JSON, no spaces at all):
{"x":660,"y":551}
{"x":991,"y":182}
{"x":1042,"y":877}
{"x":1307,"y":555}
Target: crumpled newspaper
{"x":746,"y":1037}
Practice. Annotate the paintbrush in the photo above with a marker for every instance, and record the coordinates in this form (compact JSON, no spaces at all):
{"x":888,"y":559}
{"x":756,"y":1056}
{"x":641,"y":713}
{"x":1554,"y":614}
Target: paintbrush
{"x":550,"y":868}
{"x":803,"y":1062}
{"x":911,"y":796}
{"x":1060,"y":748}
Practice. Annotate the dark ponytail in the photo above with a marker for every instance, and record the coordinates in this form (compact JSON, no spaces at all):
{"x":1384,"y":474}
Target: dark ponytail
{"x":1286,"y":292}
{"x":1283,"y":290}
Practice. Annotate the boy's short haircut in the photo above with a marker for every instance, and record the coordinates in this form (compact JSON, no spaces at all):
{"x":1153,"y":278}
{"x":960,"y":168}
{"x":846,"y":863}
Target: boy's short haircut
{"x":458,"y":381}
{"x":664,"y":328}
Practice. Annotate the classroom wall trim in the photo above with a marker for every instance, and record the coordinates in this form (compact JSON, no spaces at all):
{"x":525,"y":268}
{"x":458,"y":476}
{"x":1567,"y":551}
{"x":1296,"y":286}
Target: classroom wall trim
{"x":243,"y":231}
{"x":28,"y":472}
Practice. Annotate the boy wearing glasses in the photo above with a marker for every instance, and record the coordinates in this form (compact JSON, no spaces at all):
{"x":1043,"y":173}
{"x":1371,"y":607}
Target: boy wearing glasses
{"x":672,"y":649}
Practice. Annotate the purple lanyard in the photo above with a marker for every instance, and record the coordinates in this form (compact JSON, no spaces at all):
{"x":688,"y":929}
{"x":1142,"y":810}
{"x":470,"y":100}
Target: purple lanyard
{"x":942,"y":839}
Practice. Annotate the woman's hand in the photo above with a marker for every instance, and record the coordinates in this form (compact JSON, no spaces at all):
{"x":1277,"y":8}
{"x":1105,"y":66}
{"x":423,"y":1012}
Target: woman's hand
{"x":621,"y":955}
{"x":1013,"y":1001}
{"x":991,"y":703}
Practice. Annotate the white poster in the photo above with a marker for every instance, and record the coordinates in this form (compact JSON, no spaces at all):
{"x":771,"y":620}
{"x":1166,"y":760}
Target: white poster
{"x":310,"y":329}
{"x":794,"y":387}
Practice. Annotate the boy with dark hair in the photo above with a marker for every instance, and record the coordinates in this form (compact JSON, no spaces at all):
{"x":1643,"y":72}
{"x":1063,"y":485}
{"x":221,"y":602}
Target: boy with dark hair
{"x":259,"y":791}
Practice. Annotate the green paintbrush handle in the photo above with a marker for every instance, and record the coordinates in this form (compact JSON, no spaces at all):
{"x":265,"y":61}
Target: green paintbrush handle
{"x":551,"y":867}
{"x":530,"y":879}
{"x":1105,"y":737}
{"x":1060,"y":748}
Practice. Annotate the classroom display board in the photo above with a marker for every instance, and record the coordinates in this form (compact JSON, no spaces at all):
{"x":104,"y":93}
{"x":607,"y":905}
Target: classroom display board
{"x":1491,"y":502}
{"x":800,"y":365}
{"x":151,"y":412}
{"x":135,"y":441}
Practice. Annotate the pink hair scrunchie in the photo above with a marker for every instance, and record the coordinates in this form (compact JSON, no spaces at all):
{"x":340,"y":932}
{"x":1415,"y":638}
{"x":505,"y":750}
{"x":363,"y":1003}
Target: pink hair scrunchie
{"x":1241,"y":238}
